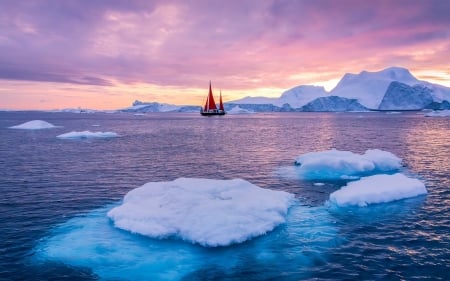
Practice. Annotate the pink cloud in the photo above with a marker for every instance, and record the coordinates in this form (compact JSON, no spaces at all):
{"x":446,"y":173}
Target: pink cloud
{"x":245,"y":44}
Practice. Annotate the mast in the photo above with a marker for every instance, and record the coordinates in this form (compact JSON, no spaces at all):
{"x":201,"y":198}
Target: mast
{"x":221,"y":103}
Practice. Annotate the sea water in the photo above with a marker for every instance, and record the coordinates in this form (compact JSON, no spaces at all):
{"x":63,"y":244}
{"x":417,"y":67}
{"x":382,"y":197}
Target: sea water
{"x":55,"y":194}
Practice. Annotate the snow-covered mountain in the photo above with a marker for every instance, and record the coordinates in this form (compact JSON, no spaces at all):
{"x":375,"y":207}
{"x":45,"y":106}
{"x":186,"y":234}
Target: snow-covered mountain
{"x":394,"y":88}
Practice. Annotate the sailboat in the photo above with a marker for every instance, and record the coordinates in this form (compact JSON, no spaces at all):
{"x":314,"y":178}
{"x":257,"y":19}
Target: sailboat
{"x":210,"y":107}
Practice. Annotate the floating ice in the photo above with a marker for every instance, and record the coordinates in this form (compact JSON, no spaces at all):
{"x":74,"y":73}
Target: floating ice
{"x":238,"y":110}
{"x":336,"y":164}
{"x":87,"y":135}
{"x":204,"y":211}
{"x":34,"y":125}
{"x":438,"y":113}
{"x":91,"y":241}
{"x":377,"y":189}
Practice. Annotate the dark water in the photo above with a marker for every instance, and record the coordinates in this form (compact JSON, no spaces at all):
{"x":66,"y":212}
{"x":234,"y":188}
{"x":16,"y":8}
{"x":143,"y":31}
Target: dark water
{"x":54,"y":191}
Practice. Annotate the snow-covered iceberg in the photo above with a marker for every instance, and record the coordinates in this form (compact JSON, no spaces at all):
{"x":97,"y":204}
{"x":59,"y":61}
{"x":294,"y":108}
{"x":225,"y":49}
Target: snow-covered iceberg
{"x":34,"y":125}
{"x":91,"y":241}
{"x":204,"y":211}
{"x":378,"y":189}
{"x":87,"y":135}
{"x":336,"y":164}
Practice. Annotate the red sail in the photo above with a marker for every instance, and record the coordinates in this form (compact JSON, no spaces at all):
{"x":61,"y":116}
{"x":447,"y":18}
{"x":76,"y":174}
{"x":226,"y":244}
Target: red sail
{"x":210,"y":104}
{"x":221,"y":103}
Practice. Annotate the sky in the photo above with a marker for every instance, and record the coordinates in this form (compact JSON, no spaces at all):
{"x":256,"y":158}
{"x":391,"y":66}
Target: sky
{"x":104,"y":54}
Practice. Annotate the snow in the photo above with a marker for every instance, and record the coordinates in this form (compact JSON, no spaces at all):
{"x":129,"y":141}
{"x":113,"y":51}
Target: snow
{"x":238,"y":110}
{"x":336,"y":164}
{"x":296,"y":97}
{"x":34,"y":125}
{"x":369,"y":87}
{"x":438,"y":113}
{"x":377,"y":189}
{"x":204,"y":211}
{"x":301,"y":95}
{"x":87,"y":135}
{"x":151,"y":107}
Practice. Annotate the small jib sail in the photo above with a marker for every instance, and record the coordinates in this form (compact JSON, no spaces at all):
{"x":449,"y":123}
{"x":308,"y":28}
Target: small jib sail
{"x":210,"y":107}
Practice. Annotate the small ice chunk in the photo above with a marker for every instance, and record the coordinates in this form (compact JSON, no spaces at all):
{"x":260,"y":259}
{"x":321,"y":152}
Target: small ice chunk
{"x":438,"y":113}
{"x":378,"y":189}
{"x":87,"y":135}
{"x":34,"y":125}
{"x":204,"y":211}
{"x":336,"y":164}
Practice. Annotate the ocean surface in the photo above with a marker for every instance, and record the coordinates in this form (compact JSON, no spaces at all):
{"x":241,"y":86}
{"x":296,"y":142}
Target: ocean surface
{"x":54,"y":195}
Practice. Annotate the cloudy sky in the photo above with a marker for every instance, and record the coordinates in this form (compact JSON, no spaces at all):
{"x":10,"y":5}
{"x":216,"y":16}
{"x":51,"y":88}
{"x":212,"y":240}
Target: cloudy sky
{"x":107,"y":53}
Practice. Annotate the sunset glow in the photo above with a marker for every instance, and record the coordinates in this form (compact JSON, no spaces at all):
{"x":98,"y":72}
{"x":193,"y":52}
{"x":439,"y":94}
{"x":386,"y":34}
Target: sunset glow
{"x":106,"y":54}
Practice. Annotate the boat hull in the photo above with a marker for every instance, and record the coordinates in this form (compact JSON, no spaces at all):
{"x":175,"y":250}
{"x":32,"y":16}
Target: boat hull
{"x":212,"y":113}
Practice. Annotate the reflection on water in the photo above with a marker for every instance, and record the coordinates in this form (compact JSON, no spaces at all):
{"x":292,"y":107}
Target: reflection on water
{"x":47,"y":182}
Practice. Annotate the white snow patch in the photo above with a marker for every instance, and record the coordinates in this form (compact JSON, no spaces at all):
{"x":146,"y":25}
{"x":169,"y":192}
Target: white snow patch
{"x":336,"y":164}
{"x":204,"y":211}
{"x":377,"y":189}
{"x":87,"y":135}
{"x":438,"y":113}
{"x":34,"y":125}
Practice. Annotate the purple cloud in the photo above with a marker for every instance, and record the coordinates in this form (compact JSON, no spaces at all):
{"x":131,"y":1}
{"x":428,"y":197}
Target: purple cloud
{"x":247,"y":43}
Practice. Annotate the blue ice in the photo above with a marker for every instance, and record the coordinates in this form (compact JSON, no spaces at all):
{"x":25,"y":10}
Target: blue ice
{"x":91,"y":241}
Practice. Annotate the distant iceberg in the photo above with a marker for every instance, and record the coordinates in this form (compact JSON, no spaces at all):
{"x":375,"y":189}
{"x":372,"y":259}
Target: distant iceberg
{"x":377,"y":189}
{"x":34,"y":125}
{"x":203,"y":211}
{"x":438,"y":113}
{"x":87,"y":135}
{"x":239,"y":110}
{"x":336,"y":164}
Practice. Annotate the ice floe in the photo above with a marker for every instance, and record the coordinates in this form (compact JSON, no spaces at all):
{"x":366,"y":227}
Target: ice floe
{"x":91,"y":241}
{"x":335,"y":164}
{"x":378,"y":189}
{"x":438,"y":113}
{"x":204,"y":211}
{"x":34,"y":125}
{"x":87,"y":135}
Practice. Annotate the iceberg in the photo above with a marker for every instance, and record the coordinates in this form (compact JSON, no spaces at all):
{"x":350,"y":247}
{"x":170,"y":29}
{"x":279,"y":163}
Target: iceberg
{"x":34,"y":125}
{"x":335,"y":164}
{"x":203,"y":211}
{"x":238,"y":110}
{"x":87,"y":135}
{"x":378,"y":189}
